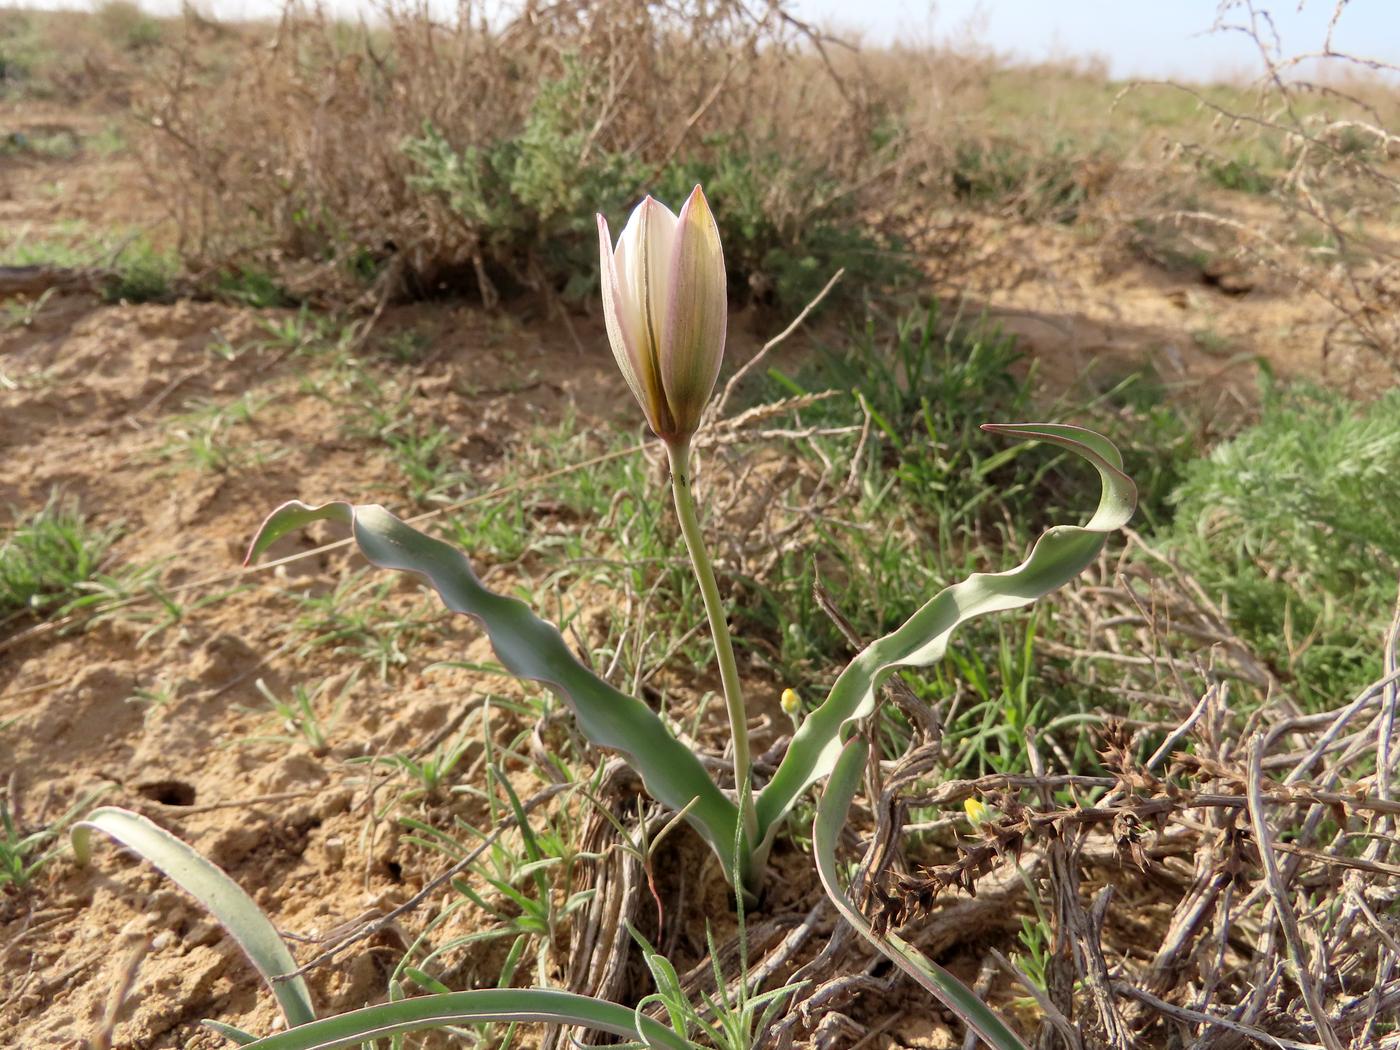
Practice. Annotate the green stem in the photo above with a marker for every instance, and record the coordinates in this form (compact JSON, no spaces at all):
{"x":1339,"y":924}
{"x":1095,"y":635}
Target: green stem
{"x":679,"y":453}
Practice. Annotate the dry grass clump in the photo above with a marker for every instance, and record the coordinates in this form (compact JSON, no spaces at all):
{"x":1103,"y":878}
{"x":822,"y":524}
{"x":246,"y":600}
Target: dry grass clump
{"x":414,"y":155}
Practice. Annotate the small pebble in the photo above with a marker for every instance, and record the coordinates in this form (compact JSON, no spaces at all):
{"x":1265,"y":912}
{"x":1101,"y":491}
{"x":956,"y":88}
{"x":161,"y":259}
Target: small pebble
{"x":335,"y":851}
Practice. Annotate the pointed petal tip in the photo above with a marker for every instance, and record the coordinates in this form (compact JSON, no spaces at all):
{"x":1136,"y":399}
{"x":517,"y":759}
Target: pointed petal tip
{"x":655,"y":208}
{"x":697,"y":199}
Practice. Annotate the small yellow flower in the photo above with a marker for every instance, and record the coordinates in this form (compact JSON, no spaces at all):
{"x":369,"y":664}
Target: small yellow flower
{"x":791,"y":702}
{"x":977,"y":811}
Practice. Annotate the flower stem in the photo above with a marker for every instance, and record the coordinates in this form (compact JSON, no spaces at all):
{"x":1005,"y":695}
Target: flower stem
{"x":679,"y":453}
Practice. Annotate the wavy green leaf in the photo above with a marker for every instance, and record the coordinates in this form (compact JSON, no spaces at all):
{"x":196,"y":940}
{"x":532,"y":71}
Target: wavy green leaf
{"x":508,"y":1005}
{"x":1061,"y":554}
{"x":531,"y":648}
{"x":832,"y":811}
{"x":207,"y":883}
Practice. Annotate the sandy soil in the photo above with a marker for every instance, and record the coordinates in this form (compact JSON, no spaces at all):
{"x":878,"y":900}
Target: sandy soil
{"x":313,"y":853}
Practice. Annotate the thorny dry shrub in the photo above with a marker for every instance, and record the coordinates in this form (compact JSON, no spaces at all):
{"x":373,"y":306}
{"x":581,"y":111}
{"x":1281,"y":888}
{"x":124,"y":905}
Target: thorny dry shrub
{"x":1315,"y":143}
{"x":1268,"y":832}
{"x":414,"y":154}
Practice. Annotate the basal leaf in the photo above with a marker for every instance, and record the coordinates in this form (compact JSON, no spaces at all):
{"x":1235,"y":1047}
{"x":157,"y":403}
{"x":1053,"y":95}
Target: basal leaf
{"x":531,"y":648}
{"x":1061,"y":554}
{"x":506,"y":1005}
{"x":206,"y":882}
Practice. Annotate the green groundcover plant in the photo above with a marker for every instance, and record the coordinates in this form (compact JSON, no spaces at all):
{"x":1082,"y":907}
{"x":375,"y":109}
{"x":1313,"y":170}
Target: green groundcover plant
{"x":664,"y":301}
{"x":1291,"y":524}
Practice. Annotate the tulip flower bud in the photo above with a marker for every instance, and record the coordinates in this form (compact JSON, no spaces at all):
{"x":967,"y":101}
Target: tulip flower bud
{"x":666,"y":311}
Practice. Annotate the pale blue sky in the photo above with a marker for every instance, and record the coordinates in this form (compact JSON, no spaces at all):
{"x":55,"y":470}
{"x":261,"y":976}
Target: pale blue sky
{"x":1138,"y":38}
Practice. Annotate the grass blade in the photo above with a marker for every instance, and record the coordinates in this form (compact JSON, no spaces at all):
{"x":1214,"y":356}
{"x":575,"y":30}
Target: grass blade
{"x":1061,"y":554}
{"x":234,"y":1035}
{"x":832,"y":810}
{"x":205,"y":882}
{"x":531,"y":648}
{"x":510,"y":1005}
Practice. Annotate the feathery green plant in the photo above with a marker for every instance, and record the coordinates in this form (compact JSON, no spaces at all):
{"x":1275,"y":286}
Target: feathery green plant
{"x":1291,"y":525}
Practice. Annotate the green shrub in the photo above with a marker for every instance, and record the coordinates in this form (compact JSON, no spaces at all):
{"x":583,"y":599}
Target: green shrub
{"x":125,"y":24}
{"x":21,"y":52}
{"x":1292,"y":523}
{"x":531,"y":199}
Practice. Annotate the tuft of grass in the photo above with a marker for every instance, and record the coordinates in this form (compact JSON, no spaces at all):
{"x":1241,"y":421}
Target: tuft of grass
{"x":48,"y":556}
{"x":22,"y":313}
{"x":296,"y":718}
{"x":420,"y":451}
{"x":54,"y":144}
{"x":358,"y":618}
{"x":24,"y":853}
{"x":202,"y":438}
{"x":252,"y":286}
{"x":934,"y":493}
{"x":141,"y":273}
{"x":133,"y":595}
{"x":1238,"y":174}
